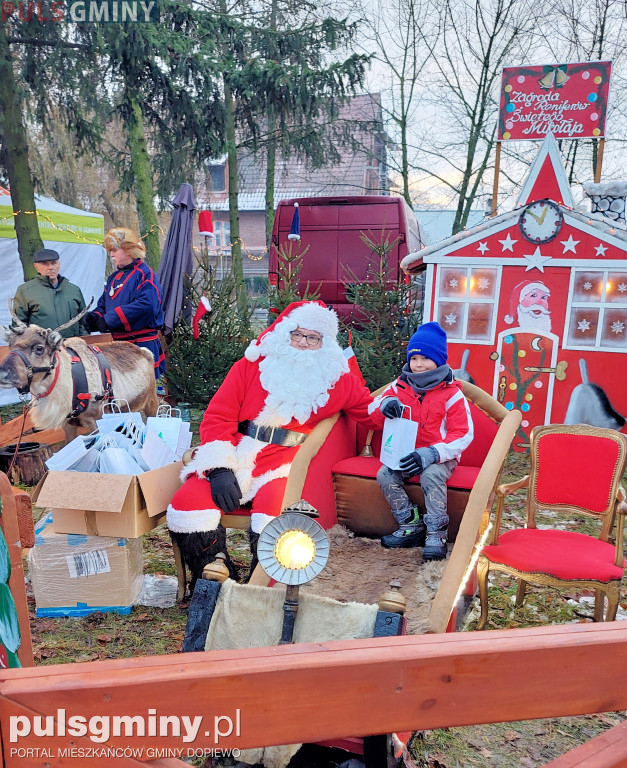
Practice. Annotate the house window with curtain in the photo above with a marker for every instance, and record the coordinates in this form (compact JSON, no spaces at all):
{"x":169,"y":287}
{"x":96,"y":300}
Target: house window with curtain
{"x":596,"y":316}
{"x":222,"y":234}
{"x":466,"y":302}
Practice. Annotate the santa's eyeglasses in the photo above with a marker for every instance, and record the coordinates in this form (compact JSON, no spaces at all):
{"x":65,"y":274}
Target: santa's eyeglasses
{"x":312,"y":341}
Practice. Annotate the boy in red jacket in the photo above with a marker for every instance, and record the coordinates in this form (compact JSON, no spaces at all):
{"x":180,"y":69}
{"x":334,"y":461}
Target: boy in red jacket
{"x":445,"y":429}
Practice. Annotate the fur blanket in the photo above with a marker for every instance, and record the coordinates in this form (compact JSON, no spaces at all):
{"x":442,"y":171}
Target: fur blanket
{"x":361,"y":569}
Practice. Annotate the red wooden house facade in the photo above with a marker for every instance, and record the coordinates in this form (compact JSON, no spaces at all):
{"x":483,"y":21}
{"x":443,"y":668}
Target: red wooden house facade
{"x":534,"y":303}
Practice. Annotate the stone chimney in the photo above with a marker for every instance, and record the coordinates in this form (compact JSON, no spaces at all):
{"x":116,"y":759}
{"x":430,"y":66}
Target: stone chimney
{"x":608,"y":199}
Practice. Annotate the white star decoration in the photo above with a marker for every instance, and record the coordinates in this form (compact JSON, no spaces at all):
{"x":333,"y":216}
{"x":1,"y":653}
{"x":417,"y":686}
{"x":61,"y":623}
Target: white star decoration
{"x":450,"y":319}
{"x":453,"y":283}
{"x":483,"y":247}
{"x":587,"y":285}
{"x":600,"y":249}
{"x":583,"y":325}
{"x":618,"y":327}
{"x":622,"y":287}
{"x":508,"y":243}
{"x":536,"y":260}
{"x":570,"y":245}
{"x":483,"y":283}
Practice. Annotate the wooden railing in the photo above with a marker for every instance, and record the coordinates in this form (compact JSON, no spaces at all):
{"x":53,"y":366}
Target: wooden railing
{"x":313,"y":692}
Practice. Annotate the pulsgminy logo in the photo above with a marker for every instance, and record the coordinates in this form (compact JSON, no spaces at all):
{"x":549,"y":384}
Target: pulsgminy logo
{"x":83,"y":11}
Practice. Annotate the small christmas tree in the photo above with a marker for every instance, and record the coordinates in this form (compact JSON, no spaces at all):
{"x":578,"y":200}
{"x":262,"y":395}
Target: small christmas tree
{"x":196,"y":368}
{"x":286,"y":291}
{"x":384,"y":317}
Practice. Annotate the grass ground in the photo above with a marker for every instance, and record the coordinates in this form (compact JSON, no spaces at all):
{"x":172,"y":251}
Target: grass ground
{"x":148,"y":631}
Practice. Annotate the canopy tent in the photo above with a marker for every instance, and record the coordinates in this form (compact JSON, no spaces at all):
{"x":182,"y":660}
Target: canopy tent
{"x":76,"y":235}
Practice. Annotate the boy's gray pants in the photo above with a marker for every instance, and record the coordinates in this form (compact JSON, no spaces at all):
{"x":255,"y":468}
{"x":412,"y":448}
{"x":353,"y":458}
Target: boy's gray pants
{"x":433,"y":481}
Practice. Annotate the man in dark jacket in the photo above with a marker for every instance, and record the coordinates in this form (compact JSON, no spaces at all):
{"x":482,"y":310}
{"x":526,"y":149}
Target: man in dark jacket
{"x":49,"y":300}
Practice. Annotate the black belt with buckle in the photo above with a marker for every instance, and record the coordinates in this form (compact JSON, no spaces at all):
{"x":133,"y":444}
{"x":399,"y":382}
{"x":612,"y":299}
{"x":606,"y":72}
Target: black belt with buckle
{"x":274,"y":435}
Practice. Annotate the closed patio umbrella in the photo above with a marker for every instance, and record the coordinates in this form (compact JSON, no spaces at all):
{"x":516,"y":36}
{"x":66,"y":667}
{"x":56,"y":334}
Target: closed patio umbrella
{"x":177,"y":259}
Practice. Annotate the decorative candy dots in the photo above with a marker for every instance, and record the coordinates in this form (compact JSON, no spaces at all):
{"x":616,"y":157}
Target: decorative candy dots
{"x":524,"y":423}
{"x":508,"y":89}
{"x":538,"y":385}
{"x":521,"y":78}
{"x":508,"y":339}
{"x":594,"y":116}
{"x":509,"y":125}
{"x":598,"y":79}
{"x":509,"y":406}
{"x":513,"y":385}
{"x":522,"y":353}
{"x":525,"y":407}
{"x":596,"y":131}
{"x":592,"y":97}
{"x":585,"y":75}
{"x":511,"y":107}
{"x":501,"y":368}
{"x":528,"y":397}
{"x":506,"y":135}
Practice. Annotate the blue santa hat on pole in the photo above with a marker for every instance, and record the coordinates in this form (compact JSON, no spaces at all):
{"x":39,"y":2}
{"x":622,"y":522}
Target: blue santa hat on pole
{"x":295,"y":230}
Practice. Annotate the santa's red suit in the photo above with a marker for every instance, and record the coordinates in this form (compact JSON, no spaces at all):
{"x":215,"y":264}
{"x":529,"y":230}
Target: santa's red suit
{"x":277,"y":386}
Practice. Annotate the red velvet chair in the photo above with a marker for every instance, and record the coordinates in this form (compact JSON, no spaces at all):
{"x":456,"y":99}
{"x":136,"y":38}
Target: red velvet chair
{"x":574,"y":469}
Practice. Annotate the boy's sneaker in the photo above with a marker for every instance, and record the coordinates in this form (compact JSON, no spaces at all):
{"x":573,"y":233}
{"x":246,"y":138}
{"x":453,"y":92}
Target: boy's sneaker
{"x":435,"y":545}
{"x":412,"y":533}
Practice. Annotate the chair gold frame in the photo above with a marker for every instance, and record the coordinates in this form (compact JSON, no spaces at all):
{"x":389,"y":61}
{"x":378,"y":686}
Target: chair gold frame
{"x":615,"y":511}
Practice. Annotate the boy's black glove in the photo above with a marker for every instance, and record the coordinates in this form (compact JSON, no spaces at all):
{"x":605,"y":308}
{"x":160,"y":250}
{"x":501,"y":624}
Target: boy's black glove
{"x":391,"y":408}
{"x":417,"y":461}
{"x":224,"y":488}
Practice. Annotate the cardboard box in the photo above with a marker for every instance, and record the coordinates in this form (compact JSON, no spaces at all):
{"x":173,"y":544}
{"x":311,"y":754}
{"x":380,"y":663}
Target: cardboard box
{"x":95,"y":504}
{"x":74,"y":575}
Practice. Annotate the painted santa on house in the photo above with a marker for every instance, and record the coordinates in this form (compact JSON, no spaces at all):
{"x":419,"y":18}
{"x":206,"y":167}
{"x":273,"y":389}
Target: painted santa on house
{"x":534,"y":301}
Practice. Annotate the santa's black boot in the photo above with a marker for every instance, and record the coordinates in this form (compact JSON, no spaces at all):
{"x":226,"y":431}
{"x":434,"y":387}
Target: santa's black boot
{"x":253,"y":540}
{"x":200,"y":548}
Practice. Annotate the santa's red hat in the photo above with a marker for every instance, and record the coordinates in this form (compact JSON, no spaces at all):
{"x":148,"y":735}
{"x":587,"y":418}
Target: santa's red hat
{"x":519,"y":293}
{"x":312,"y":315}
{"x":203,"y":308}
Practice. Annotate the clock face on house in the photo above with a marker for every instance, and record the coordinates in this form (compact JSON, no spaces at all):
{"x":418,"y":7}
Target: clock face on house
{"x":541,"y":221}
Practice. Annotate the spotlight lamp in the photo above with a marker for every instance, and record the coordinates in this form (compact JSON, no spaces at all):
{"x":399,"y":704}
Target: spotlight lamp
{"x":293,"y":549}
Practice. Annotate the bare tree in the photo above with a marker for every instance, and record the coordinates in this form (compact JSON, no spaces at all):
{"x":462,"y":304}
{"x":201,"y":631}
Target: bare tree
{"x":403,"y":33}
{"x":476,"y":39}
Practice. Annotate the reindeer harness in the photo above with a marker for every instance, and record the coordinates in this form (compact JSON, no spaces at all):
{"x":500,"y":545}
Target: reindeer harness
{"x":81,"y":395}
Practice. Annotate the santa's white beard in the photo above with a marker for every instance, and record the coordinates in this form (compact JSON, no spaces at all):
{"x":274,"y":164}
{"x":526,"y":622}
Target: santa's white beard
{"x":535,"y":316}
{"x":298,"y":381}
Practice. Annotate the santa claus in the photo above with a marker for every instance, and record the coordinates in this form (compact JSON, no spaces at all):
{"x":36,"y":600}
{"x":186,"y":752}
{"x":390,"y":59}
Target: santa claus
{"x":293,"y":376}
{"x":530,"y":304}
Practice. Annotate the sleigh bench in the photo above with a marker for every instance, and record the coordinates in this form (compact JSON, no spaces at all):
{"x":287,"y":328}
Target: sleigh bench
{"x":359,"y":502}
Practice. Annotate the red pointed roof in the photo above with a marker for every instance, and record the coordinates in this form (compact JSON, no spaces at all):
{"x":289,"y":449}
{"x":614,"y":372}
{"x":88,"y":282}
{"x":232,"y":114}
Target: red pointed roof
{"x":547,"y":177}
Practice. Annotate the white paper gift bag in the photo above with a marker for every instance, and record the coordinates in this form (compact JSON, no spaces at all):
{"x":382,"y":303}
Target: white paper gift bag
{"x":398,"y":439}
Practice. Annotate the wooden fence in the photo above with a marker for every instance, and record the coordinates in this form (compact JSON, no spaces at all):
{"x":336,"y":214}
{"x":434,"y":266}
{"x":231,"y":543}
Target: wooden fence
{"x":313,"y":692}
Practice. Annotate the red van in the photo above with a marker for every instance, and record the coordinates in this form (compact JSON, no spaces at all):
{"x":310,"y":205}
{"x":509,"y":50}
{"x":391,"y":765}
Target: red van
{"x":331,"y":227}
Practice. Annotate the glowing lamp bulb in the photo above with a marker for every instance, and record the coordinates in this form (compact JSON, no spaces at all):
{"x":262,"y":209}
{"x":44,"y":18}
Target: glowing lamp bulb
{"x":294,"y":550}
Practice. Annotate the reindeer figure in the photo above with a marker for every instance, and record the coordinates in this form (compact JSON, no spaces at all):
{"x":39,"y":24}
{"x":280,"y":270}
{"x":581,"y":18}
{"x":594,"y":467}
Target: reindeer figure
{"x":71,"y":381}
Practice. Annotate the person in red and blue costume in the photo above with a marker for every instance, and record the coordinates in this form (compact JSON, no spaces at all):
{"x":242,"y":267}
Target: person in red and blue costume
{"x":130,"y":306}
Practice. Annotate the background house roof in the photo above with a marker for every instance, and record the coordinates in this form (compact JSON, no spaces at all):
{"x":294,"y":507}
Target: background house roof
{"x":362,"y":168}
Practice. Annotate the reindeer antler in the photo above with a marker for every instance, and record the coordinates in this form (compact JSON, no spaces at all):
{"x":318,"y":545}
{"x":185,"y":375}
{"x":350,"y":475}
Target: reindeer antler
{"x":20,"y":326}
{"x":75,"y":319}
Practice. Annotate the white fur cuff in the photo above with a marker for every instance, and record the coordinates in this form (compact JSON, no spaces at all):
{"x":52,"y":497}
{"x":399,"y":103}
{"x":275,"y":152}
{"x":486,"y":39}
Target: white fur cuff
{"x":192,"y":521}
{"x":258,"y":521}
{"x":219,"y":453}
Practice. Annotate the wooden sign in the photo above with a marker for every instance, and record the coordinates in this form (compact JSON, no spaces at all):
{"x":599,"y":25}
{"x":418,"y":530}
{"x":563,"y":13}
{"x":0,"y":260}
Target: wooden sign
{"x":567,"y":100}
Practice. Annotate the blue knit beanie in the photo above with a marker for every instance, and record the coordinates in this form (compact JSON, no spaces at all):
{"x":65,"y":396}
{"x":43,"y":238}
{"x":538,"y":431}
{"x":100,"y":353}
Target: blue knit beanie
{"x":429,"y":341}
